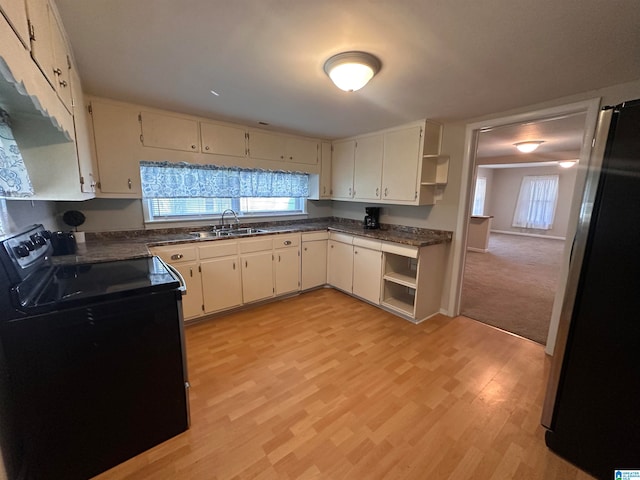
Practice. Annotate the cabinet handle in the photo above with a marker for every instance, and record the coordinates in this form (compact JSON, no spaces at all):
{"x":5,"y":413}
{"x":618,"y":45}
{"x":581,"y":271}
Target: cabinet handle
{"x":234,"y":265}
{"x":191,"y":272}
{"x":281,"y":157}
{"x":287,"y":242}
{"x":57,"y":71}
{"x":129,"y":183}
{"x":349,"y":191}
{"x":193,"y":147}
{"x":355,"y":252}
{"x":377,"y":190}
{"x":246,"y":264}
{"x":290,"y":158}
{"x":324,"y":190}
{"x":63,"y":83}
{"x":305,"y":249}
{"x":206,"y":147}
{"x":278,"y":258}
{"x":176,"y":256}
{"x":385,"y":192}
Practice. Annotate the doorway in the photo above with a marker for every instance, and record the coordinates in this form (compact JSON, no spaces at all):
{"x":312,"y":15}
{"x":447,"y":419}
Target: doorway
{"x":474,"y":132}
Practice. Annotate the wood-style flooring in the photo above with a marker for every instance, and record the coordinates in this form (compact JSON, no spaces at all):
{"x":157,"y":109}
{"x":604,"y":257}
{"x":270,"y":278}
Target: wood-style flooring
{"x":323,"y":386}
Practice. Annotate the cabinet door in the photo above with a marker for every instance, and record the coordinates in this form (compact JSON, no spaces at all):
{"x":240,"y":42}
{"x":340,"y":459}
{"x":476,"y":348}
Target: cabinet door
{"x":41,"y":44}
{"x":61,"y":65}
{"x":400,"y":166}
{"x":16,"y":13}
{"x":367,"y":172}
{"x":266,"y":146}
{"x":340,"y":265}
{"x":257,"y":276}
{"x":221,"y":284}
{"x":223,"y":139}
{"x":314,"y":264}
{"x":192,"y":301}
{"x":116,"y":136}
{"x":301,"y":150}
{"x":167,"y":131}
{"x":342,"y":169}
{"x":287,"y":270}
{"x":83,"y":133}
{"x":367,"y":274}
{"x":325,"y":170}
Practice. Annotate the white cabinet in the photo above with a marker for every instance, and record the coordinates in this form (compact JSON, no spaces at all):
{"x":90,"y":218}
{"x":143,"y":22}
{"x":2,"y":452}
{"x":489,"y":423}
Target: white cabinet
{"x":276,"y":147}
{"x":88,"y":171}
{"x":184,"y":259}
{"x":117,"y":148}
{"x":340,"y":261}
{"x":221,"y":277}
{"x":342,"y":164}
{"x":368,"y":167}
{"x":314,"y":259}
{"x":400,"y":167}
{"x":221,"y":139}
{"x":256,"y":258}
{"x":168,"y":131}
{"x":15,"y":11}
{"x":412,"y":280}
{"x":367,"y":269}
{"x":286,"y":263}
{"x":325,"y":171}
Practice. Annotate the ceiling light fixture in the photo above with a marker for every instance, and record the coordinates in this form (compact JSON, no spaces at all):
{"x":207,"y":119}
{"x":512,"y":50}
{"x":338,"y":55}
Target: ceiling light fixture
{"x":528,"y":147}
{"x":351,"y":71}
{"x":567,"y":163}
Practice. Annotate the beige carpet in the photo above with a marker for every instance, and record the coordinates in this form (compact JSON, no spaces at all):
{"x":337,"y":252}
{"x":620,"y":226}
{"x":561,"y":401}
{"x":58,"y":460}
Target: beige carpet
{"x":512,"y":287}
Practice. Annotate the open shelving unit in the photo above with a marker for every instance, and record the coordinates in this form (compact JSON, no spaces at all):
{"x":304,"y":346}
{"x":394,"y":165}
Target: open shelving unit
{"x":435,"y":175}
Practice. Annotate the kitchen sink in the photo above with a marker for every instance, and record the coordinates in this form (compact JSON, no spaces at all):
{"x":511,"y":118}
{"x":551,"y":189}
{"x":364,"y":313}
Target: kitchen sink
{"x":228,"y":232}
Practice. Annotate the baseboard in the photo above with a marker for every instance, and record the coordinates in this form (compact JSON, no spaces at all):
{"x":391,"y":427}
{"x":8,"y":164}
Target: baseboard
{"x":481,"y":250}
{"x":537,"y":235}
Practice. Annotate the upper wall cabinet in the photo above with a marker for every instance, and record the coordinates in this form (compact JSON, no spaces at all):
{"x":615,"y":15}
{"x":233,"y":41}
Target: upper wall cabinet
{"x":167,"y":131}
{"x":117,"y":148}
{"x":390,"y":166}
{"x":223,"y":139}
{"x":325,"y":170}
{"x":15,"y":11}
{"x":49,"y":48}
{"x":277,"y":147}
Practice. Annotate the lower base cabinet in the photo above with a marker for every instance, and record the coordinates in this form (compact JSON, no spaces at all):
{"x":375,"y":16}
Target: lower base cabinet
{"x":340,"y":262}
{"x":223,"y":283}
{"x":367,"y":272}
{"x":257,"y":276}
{"x":287,"y":270}
{"x":314,"y":259}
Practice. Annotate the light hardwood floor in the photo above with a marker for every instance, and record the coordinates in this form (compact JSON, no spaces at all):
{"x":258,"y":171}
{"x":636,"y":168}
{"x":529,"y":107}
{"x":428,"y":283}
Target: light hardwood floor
{"x":323,"y":386}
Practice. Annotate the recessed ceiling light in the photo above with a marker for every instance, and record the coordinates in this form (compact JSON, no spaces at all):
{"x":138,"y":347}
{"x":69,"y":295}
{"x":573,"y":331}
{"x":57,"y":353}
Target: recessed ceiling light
{"x":215,"y":93}
{"x":529,"y":146}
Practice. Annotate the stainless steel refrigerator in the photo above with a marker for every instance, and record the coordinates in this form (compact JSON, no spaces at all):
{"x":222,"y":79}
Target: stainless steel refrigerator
{"x":592,"y":406}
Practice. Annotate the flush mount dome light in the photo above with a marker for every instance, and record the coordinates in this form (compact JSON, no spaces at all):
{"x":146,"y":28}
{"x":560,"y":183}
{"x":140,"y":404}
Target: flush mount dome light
{"x":351,"y":71}
{"x":528,"y":147}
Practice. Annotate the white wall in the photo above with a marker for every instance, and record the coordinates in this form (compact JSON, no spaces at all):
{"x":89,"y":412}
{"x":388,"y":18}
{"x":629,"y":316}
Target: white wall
{"x":488,"y":174}
{"x":504,"y":196}
{"x":22,"y":213}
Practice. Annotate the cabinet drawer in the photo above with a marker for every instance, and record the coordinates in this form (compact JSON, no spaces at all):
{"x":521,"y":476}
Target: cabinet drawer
{"x":175,"y":253}
{"x":218,"y":248}
{"x":399,"y":249}
{"x":367,"y":243}
{"x":256,"y":245}
{"x":311,"y":236}
{"x":341,"y":237}
{"x":285,"y":241}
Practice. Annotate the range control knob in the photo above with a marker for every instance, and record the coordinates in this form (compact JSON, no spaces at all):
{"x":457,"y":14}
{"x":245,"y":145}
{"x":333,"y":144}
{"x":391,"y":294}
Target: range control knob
{"x":21,"y":250}
{"x":46,"y":234}
{"x":29,"y":244}
{"x":38,"y":241}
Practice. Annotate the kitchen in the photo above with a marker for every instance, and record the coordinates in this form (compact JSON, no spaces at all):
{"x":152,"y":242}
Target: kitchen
{"x":119,"y":212}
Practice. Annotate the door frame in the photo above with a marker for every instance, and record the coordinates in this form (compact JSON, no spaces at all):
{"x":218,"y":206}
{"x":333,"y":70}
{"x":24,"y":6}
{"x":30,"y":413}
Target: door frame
{"x":591,"y":108}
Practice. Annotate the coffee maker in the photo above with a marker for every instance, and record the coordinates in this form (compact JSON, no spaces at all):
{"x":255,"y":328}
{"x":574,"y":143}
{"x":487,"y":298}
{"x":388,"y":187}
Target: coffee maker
{"x":372,"y":217}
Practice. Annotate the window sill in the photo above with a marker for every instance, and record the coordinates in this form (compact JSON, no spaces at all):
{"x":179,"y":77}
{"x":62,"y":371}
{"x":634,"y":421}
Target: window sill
{"x":215,"y":219}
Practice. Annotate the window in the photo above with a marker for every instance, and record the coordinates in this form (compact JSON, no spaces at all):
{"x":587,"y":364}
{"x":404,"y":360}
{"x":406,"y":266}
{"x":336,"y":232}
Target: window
{"x":183,"y":191}
{"x":479,"y":196}
{"x":537,"y":201}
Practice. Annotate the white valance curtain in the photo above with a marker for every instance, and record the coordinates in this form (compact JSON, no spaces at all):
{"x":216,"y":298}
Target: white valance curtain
{"x":537,"y":201}
{"x":14,"y":178}
{"x":183,"y":180}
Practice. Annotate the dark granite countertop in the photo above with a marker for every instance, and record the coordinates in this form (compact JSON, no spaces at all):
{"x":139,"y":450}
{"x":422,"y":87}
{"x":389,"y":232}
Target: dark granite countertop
{"x":108,"y":246}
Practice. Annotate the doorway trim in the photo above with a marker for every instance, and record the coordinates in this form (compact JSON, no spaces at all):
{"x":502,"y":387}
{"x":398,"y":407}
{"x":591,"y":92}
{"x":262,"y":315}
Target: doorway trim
{"x":591,"y":108}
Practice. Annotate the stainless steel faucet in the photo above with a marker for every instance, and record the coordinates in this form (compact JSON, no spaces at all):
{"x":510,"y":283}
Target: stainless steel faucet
{"x":235,"y":215}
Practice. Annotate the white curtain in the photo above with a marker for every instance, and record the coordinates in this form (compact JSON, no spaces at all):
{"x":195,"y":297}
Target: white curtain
{"x":479,"y":196}
{"x":537,"y":202}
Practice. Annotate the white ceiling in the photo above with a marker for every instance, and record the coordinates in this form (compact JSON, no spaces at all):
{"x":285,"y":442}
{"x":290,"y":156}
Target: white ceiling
{"x":441,"y":59}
